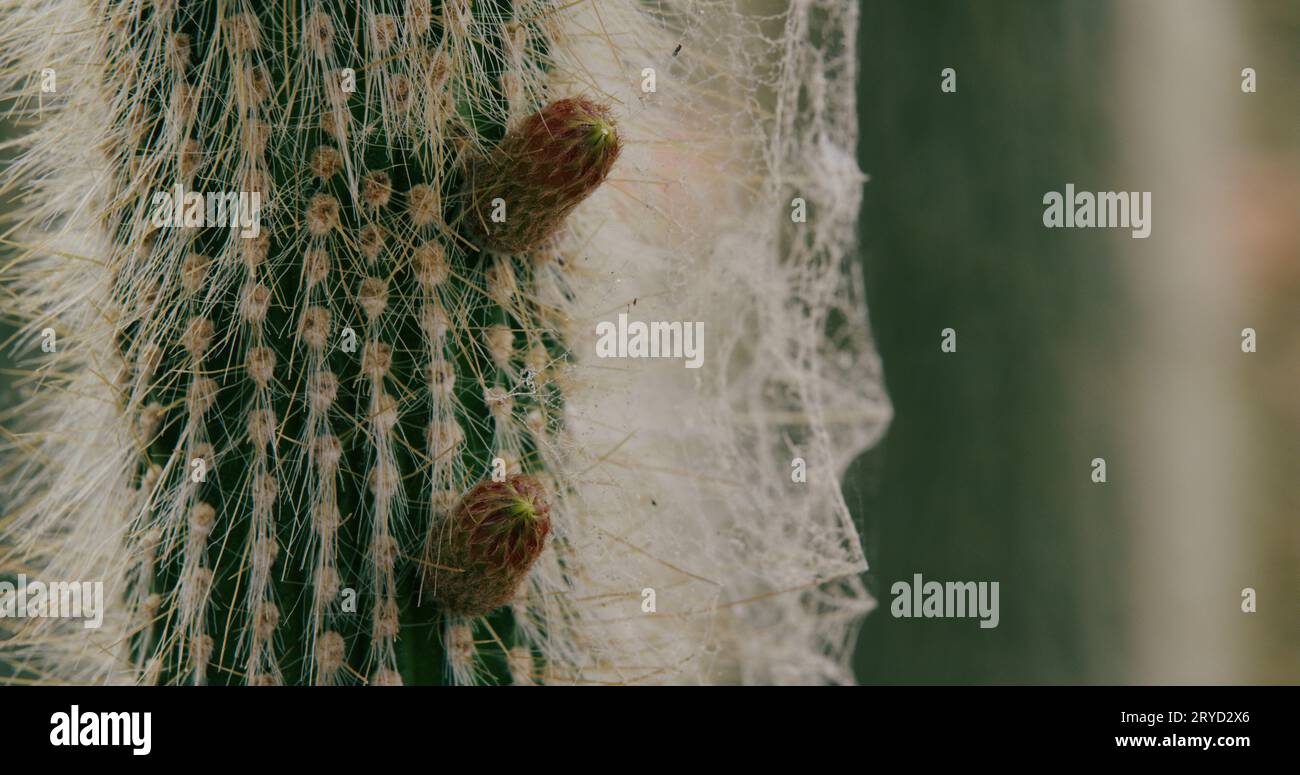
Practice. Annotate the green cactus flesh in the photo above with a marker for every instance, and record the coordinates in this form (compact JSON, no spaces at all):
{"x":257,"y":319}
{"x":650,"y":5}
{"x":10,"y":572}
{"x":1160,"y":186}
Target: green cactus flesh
{"x":322,"y":470}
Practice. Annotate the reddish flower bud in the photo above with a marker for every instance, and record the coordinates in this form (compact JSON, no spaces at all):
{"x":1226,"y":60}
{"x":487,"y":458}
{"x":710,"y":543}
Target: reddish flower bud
{"x":478,"y":558}
{"x":525,"y":188}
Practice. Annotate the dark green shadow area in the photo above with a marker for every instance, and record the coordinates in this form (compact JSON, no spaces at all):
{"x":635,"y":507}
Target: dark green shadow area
{"x":983,"y":474}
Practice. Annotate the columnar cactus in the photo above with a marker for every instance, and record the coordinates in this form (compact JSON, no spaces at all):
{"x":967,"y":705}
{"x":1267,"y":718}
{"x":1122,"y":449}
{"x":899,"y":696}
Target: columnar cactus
{"x":352,"y":423}
{"x":315,"y":388}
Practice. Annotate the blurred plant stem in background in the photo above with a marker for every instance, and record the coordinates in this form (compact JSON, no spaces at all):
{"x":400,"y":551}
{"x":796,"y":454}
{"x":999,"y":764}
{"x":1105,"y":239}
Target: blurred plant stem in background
{"x":1188,"y":445}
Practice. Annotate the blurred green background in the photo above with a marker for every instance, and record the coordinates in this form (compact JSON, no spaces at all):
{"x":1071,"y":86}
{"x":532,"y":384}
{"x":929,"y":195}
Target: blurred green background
{"x":978,"y":476}
{"x":984,"y":473}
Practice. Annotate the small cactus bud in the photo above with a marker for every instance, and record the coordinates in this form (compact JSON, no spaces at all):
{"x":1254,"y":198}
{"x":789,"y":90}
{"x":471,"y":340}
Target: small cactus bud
{"x":542,"y":170}
{"x":479,"y":557}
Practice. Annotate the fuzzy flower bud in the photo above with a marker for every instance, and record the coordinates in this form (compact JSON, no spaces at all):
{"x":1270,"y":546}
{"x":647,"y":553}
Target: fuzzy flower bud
{"x":478,"y":559}
{"x":522,"y":192}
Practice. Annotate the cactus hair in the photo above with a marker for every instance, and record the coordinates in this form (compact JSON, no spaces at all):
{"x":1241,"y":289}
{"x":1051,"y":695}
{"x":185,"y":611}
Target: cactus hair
{"x":259,"y":442}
